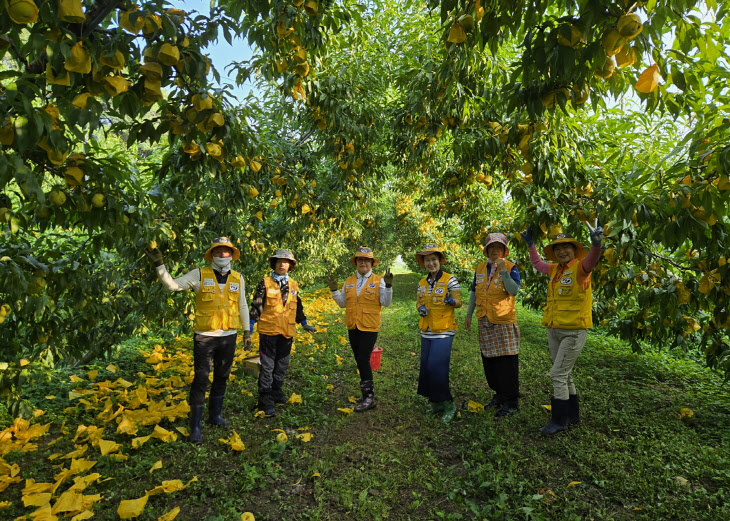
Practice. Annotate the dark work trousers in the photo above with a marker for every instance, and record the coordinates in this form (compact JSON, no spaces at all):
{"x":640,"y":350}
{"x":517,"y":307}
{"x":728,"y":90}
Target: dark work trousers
{"x":502,"y":374}
{"x":362,"y":343}
{"x":207,"y":350}
{"x":433,"y":377}
{"x":275,"y":352}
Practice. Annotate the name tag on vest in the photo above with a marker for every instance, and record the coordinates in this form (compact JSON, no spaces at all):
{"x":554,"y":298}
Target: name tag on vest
{"x":566,"y":280}
{"x":371,"y":285}
{"x":207,"y":283}
{"x":233,"y":286}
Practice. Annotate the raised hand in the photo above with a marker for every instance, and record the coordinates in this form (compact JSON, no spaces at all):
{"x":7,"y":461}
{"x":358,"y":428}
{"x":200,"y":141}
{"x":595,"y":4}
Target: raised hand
{"x":596,"y":233}
{"x":155,"y":256}
{"x":332,"y":283}
{"x":388,"y":278}
{"x":527,"y":237}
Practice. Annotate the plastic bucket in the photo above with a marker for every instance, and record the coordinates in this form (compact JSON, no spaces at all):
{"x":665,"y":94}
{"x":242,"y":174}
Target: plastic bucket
{"x":375,"y":358}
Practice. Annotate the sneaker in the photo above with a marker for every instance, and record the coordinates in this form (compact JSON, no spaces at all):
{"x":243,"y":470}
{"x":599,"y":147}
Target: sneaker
{"x":268,"y":413}
{"x":505,"y":410}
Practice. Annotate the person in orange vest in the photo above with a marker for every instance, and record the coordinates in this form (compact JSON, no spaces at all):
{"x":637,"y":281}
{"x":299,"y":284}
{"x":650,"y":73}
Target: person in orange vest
{"x":568,"y":315}
{"x":363,"y":295}
{"x":439,"y":294}
{"x":277,"y":308}
{"x":496,"y":282}
{"x":220,"y":311}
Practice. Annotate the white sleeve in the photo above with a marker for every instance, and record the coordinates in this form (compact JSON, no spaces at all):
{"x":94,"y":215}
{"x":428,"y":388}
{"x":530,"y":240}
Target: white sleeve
{"x":339,"y":297}
{"x":386,"y":294}
{"x":191,"y":280}
{"x":243,"y":308}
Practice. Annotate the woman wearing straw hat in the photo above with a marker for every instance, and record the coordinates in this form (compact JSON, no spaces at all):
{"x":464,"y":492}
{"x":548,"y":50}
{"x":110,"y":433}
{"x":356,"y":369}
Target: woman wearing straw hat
{"x":496,"y":282}
{"x":439,"y":294}
{"x":220,"y":311}
{"x":568,"y":315}
{"x":363,"y":296}
{"x":277,"y":308}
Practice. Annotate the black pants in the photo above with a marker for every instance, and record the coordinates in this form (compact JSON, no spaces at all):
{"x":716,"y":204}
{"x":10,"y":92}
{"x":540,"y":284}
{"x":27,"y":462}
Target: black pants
{"x":362,"y":343}
{"x":502,"y":374}
{"x":207,"y":350}
{"x":274,"y":352}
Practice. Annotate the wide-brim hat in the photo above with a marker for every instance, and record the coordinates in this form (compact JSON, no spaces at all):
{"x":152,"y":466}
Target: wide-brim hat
{"x":428,"y":250}
{"x":222,"y":241}
{"x":496,"y":237}
{"x":364,"y":253}
{"x":564,"y":238}
{"x":285,"y":255}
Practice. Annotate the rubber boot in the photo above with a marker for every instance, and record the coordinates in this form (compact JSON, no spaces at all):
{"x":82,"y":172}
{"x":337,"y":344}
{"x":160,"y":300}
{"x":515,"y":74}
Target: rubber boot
{"x":215,"y":406}
{"x":278,"y":393}
{"x":449,"y":412}
{"x":368,"y":396}
{"x":573,"y":410}
{"x":196,"y":417}
{"x":437,"y":407}
{"x":559,"y":420}
{"x":508,"y":407}
{"x":266,"y":402}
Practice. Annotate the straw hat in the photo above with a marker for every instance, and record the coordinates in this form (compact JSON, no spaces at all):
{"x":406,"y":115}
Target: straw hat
{"x":564,"y":238}
{"x":222,"y":241}
{"x":365,"y":253}
{"x":428,"y":250}
{"x":285,"y":255}
{"x":499,"y":238}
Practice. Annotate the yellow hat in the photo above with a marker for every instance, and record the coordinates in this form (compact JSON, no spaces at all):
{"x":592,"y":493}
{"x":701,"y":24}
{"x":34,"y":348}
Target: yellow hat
{"x":428,"y":250}
{"x":365,"y":253}
{"x":222,"y":241}
{"x":564,"y":238}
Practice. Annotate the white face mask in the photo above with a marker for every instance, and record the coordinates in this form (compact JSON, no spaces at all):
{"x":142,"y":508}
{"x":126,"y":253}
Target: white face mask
{"x":224,"y":263}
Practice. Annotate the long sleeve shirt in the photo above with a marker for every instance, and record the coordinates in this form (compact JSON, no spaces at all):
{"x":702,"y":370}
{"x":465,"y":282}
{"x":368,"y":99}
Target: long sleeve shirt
{"x":191,"y":280}
{"x":259,"y":300}
{"x":386,"y":294}
{"x":583,"y":272}
{"x":510,"y":279}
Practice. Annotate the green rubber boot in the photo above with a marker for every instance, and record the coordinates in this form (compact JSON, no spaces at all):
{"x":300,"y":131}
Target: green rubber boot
{"x":449,"y":412}
{"x":437,"y":407}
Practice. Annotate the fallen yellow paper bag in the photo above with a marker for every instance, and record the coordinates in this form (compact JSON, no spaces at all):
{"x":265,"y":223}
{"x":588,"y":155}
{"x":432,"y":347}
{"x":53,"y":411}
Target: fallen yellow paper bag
{"x":130,"y":508}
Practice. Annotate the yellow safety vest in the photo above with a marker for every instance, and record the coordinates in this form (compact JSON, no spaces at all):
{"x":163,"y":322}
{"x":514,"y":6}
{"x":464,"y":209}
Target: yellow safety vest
{"x":363,"y":311}
{"x":215,"y":308}
{"x":440,"y":317}
{"x":278,"y":318}
{"x":494,"y":302}
{"x":568,"y":305}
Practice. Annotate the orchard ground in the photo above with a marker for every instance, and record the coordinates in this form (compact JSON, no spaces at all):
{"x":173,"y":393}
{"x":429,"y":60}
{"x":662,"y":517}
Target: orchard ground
{"x":652,"y":443}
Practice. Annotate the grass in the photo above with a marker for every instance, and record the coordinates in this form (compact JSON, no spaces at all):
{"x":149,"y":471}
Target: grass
{"x":632,"y":455}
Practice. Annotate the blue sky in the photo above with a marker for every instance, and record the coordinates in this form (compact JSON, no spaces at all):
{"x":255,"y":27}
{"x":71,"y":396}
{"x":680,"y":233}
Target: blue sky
{"x":221,"y":53}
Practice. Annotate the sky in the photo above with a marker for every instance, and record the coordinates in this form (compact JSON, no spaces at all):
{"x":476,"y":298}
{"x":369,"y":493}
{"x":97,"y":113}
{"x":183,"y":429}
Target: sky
{"x":221,"y":53}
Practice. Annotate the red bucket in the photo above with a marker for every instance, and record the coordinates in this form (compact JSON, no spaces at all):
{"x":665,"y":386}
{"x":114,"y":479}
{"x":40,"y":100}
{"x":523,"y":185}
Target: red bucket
{"x":375,"y":357}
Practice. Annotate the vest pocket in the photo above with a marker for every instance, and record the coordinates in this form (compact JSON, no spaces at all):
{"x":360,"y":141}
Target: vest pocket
{"x":370,"y":319}
{"x":204,"y":321}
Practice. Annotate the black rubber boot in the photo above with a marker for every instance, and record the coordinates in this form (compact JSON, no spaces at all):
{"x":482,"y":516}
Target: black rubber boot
{"x":508,"y":407}
{"x":573,"y":410}
{"x":559,"y":421}
{"x":497,"y":402}
{"x":196,"y":417}
{"x":215,"y":406}
{"x":279,"y":396}
{"x":368,"y":396}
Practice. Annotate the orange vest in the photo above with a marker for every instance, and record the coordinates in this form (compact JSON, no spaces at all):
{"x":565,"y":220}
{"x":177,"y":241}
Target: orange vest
{"x":363,"y":311}
{"x":568,"y":305}
{"x":494,"y":302}
{"x":278,"y":318}
{"x":440,"y":317}
{"x":215,"y":308}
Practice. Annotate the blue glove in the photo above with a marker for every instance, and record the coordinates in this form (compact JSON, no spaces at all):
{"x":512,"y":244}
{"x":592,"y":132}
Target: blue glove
{"x":527,"y":237}
{"x":253,"y":322}
{"x":308,"y":328}
{"x":596,"y":233}
{"x":449,"y":301}
{"x":423,"y":311}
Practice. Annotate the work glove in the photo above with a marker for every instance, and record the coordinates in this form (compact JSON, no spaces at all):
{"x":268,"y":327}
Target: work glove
{"x":423,"y":311}
{"x":308,"y":328}
{"x":332,"y":283}
{"x":155,"y":256}
{"x":596,"y":233}
{"x":467,"y":323}
{"x":449,"y":301}
{"x":247,"y":340}
{"x":253,"y":323}
{"x":388,"y":278}
{"x":527,"y":237}
{"x":500,"y":265}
